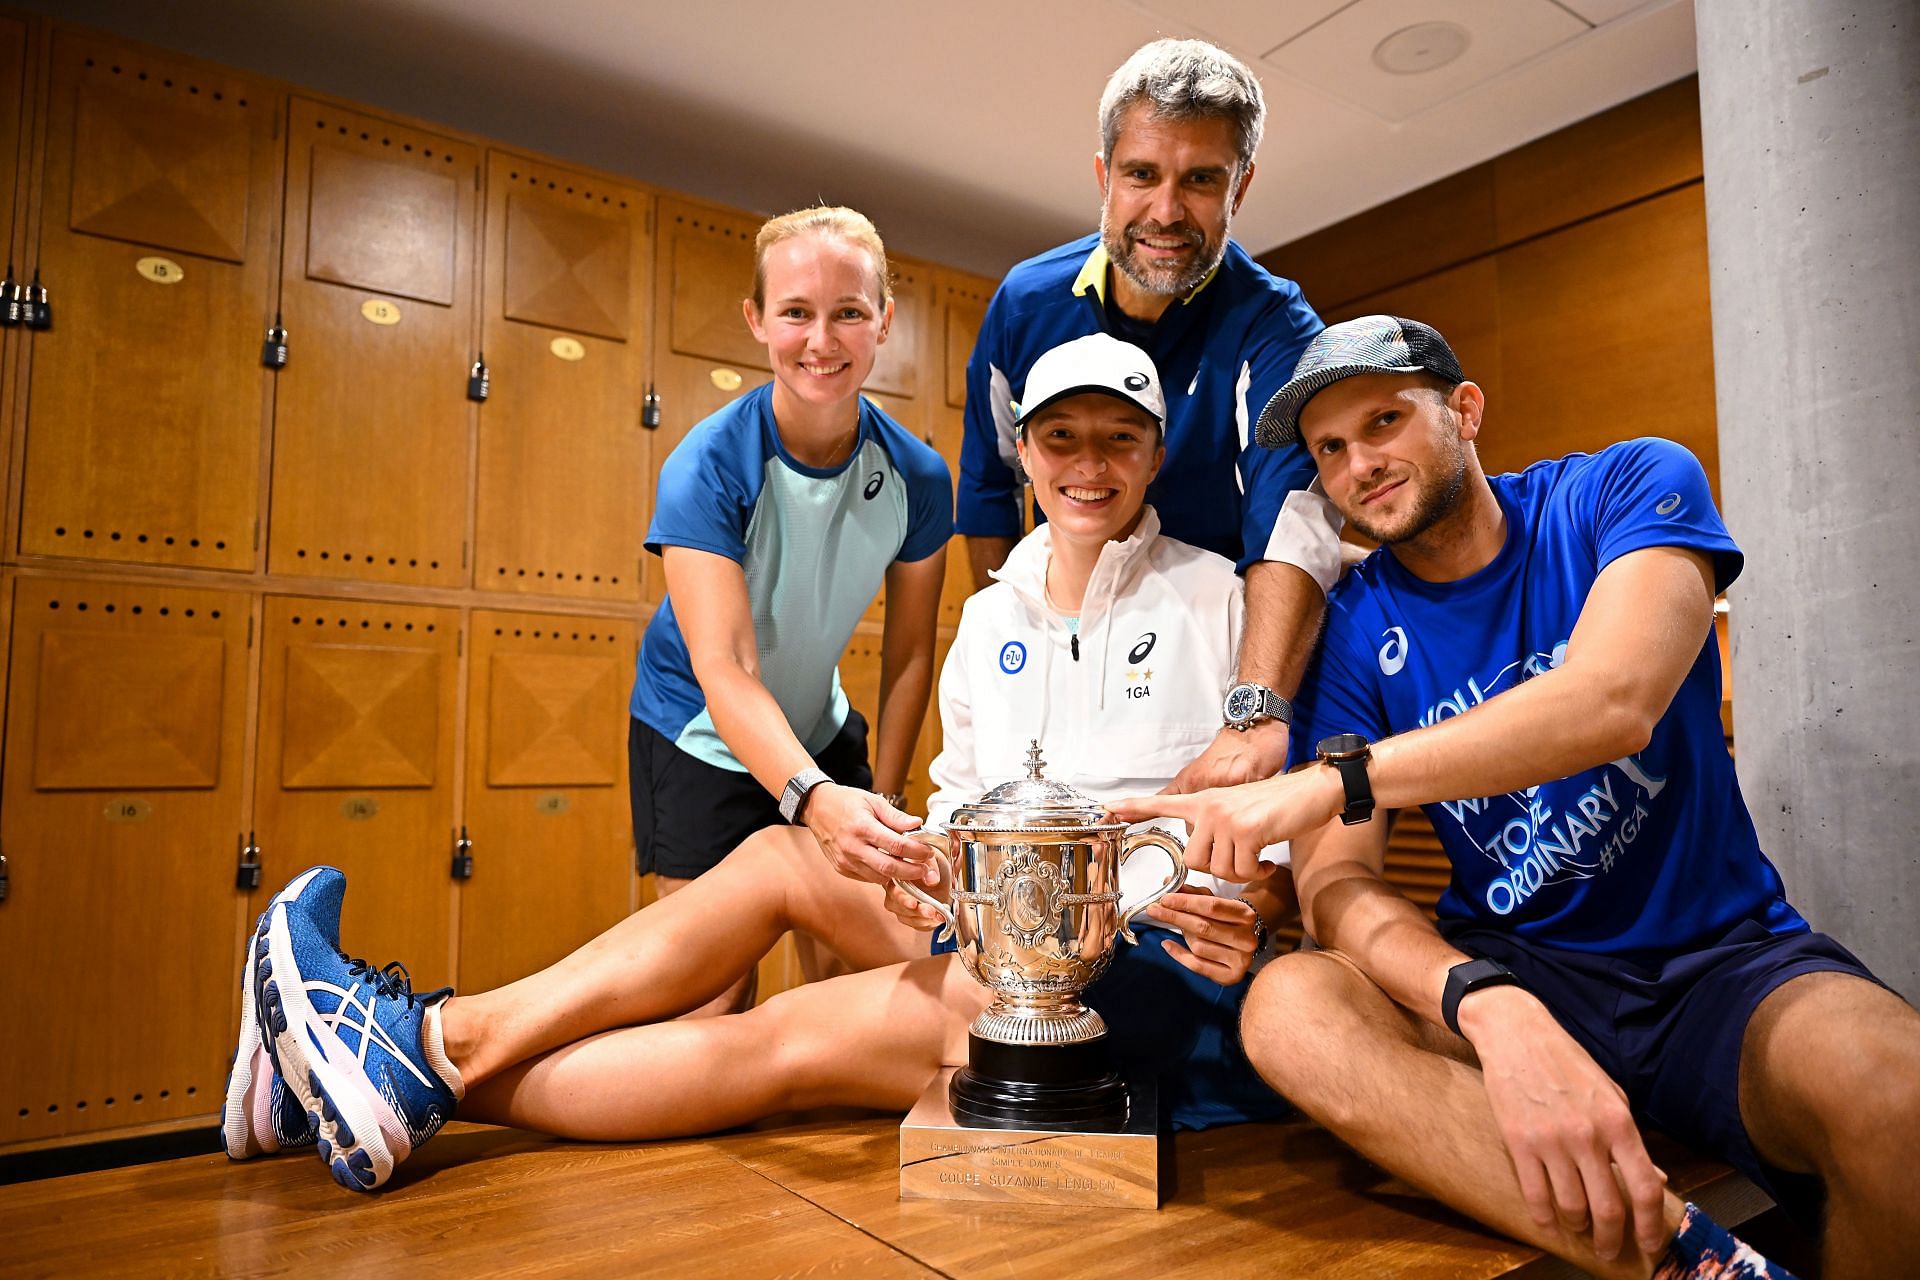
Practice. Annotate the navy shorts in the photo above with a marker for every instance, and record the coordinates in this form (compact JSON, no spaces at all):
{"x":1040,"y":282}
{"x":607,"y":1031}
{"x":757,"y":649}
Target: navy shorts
{"x":1670,"y":1033}
{"x":1164,"y":1019}
{"x":688,"y":814}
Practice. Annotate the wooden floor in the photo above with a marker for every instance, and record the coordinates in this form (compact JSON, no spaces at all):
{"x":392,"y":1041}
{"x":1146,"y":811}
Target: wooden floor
{"x":815,"y":1196}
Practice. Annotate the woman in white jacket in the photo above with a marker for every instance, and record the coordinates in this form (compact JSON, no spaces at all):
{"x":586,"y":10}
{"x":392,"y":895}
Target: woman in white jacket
{"x":1104,"y":640}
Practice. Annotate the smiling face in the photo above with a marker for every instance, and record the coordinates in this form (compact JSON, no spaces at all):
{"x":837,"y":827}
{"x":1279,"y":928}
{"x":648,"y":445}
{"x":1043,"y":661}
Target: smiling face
{"x":1090,"y":458}
{"x":1392,"y":450}
{"x":822,"y":322}
{"x":1171,"y":188}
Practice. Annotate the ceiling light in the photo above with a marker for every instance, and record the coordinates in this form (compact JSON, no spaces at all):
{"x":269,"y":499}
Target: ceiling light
{"x":1424,"y":46}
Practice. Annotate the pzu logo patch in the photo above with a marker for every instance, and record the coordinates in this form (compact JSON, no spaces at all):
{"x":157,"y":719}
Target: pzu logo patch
{"x":874,"y":482}
{"x":1141,"y":648}
{"x":1013,"y":656}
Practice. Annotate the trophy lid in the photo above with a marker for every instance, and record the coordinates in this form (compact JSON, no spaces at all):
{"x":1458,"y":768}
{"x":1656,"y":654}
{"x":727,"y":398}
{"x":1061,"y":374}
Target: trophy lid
{"x":1033,"y":801}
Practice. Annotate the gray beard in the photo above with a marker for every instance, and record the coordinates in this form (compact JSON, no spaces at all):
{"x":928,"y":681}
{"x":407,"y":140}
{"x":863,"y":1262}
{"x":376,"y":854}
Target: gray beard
{"x":1159,"y":282}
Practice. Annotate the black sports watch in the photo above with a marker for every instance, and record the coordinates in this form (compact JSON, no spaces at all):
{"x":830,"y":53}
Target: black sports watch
{"x":1247,"y":704}
{"x":795,"y":794}
{"x":1349,"y":753}
{"x":1466,"y":978}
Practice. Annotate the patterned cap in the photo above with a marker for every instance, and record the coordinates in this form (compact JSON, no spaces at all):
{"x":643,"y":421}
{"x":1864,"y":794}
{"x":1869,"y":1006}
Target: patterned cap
{"x":1098,"y":363}
{"x":1370,"y":344}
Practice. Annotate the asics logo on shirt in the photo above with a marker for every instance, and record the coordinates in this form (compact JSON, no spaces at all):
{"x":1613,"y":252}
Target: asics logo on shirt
{"x":1141,"y":648}
{"x":1013,"y":656}
{"x":874,"y":482}
{"x":1667,"y":505}
{"x":1393,"y":654}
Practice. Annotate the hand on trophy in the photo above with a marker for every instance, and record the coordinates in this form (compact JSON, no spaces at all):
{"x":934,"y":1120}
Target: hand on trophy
{"x":1229,"y":826}
{"x":1221,"y":939}
{"x":914,"y":913}
{"x":861,"y":834}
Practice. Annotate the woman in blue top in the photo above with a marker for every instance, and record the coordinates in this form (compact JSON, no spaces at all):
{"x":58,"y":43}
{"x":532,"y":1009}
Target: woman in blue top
{"x":777,"y":520}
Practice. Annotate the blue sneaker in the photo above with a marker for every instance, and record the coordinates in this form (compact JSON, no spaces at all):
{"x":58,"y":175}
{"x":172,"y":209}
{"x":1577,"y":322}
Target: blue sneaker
{"x":348,"y":1038}
{"x":261,"y":1117}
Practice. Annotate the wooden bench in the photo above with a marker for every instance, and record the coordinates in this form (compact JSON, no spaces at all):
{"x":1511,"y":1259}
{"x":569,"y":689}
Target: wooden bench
{"x":816,"y":1194}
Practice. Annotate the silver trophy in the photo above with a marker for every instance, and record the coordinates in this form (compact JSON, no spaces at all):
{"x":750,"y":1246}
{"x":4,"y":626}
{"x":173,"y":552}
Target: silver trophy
{"x":1034,"y":880}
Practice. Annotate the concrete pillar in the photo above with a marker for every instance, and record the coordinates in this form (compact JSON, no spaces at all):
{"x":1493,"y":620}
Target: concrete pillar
{"x":1810,"y":118}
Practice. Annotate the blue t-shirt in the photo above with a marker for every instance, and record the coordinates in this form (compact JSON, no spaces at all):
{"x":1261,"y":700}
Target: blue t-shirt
{"x":1228,"y":345}
{"x":815,"y":545}
{"x":1650,"y":855}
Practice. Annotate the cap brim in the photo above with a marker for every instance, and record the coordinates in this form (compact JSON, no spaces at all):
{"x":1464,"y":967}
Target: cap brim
{"x":1090,"y":388}
{"x":1279,"y":423}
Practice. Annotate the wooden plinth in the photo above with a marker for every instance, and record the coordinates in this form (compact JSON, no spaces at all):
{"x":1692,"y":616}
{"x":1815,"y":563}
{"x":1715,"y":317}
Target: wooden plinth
{"x":942,"y":1159}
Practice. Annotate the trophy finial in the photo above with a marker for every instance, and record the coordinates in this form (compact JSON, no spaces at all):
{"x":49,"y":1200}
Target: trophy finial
{"x":1034,"y":763}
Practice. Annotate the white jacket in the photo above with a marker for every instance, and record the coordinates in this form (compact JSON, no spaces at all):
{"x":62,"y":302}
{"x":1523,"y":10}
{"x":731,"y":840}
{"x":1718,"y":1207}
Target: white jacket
{"x":1159,"y":640}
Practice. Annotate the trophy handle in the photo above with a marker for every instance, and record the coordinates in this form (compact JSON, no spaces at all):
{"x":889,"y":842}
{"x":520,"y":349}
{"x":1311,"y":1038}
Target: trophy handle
{"x":937,"y":840}
{"x":1176,"y":854}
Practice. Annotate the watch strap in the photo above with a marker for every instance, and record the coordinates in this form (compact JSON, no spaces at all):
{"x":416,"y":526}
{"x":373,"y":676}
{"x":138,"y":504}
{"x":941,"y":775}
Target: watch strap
{"x":798,"y":787}
{"x":1359,"y":789}
{"x":1466,"y":978}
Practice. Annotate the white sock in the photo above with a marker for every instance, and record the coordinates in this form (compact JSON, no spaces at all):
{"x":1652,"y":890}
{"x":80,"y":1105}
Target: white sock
{"x":432,"y":1044}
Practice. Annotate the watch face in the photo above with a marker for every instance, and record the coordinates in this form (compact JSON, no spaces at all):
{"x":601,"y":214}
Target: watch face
{"x":1341,"y":745}
{"x":1243,"y":702}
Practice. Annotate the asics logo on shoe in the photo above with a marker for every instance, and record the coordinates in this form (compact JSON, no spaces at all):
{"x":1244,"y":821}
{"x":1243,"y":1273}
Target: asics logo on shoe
{"x":369,"y":1032}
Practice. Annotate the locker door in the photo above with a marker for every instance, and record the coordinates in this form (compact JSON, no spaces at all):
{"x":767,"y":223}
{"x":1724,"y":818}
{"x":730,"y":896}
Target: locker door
{"x":147,"y":399}
{"x":13,"y":186}
{"x":373,"y":432}
{"x":122,"y":805}
{"x":357,"y":703}
{"x":705,"y":358}
{"x":860,"y":679}
{"x":564,"y":461}
{"x":962,"y":303}
{"x":897,"y":383}
{"x":546,"y":790}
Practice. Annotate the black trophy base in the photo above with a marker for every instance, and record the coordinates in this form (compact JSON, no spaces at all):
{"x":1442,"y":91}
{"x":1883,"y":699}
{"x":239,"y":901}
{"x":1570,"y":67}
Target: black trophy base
{"x":1068,"y":1088}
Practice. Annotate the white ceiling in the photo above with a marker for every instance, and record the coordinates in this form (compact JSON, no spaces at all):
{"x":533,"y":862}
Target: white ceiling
{"x":966,"y":129}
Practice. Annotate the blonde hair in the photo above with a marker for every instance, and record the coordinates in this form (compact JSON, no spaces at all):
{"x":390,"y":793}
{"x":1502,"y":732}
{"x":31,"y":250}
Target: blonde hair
{"x":827,"y":221}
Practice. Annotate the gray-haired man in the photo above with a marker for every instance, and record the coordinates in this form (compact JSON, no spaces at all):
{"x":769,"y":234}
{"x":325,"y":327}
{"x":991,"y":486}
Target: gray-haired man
{"x":1179,"y":122}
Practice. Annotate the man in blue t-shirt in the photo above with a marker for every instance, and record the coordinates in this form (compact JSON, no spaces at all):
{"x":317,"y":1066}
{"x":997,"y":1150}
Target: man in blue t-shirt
{"x":1180,"y":121}
{"x":1530,"y":657}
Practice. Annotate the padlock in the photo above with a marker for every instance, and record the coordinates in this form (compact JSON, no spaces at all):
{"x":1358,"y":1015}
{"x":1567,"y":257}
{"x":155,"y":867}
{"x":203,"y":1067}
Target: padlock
{"x":477,"y":381}
{"x":9,"y":300}
{"x":650,"y":409}
{"x":35,"y":311}
{"x":273,"y":352}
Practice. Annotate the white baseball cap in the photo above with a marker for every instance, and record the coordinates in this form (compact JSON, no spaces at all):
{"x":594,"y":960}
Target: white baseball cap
{"x":1098,"y":363}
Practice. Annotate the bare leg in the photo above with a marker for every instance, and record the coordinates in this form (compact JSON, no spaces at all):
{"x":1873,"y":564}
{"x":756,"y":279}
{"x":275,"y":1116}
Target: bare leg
{"x":872,"y":1039}
{"x":1403,"y":1093}
{"x":736,"y":997}
{"x":1830,"y":1084}
{"x":678,"y":954}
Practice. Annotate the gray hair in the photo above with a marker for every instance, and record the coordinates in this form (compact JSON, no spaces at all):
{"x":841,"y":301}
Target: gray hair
{"x":1186,"y":80}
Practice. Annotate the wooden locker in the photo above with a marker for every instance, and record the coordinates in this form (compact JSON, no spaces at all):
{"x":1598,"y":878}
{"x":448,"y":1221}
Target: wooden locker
{"x":962,"y":301}
{"x":1629,"y":290}
{"x":704,"y":355}
{"x":122,"y":812}
{"x":355,"y":767}
{"x":564,"y":460}
{"x":546,"y":804}
{"x":15,"y":136}
{"x":860,"y":679}
{"x":148,"y":400}
{"x":898,"y":383}
{"x":373,"y":428}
